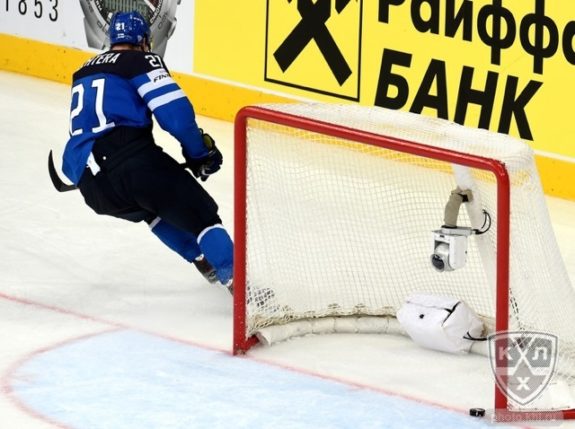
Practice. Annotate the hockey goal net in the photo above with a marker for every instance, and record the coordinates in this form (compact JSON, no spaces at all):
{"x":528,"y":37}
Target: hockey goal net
{"x":334,"y":211}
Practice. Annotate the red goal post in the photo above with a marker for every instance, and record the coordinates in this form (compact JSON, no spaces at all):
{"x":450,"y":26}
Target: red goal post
{"x":258,"y":125}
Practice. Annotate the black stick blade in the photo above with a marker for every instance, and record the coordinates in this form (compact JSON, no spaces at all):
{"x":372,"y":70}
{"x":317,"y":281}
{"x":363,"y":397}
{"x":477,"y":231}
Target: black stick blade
{"x":56,"y":181}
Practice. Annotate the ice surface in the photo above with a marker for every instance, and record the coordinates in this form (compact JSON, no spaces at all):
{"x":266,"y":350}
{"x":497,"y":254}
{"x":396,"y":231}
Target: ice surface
{"x":103,"y":327}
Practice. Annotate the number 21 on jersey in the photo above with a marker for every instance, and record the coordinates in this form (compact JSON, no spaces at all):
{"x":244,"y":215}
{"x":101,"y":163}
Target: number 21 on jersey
{"x":97,"y":107}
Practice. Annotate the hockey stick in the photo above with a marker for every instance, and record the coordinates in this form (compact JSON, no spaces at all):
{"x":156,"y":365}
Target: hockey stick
{"x":56,"y":181}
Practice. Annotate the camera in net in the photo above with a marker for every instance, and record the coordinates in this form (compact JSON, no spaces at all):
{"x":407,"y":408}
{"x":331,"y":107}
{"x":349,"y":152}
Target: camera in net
{"x":449,"y":248}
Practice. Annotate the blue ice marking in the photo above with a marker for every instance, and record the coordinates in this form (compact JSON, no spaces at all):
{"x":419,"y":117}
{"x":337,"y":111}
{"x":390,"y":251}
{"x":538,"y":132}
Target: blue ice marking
{"x":132,"y":380}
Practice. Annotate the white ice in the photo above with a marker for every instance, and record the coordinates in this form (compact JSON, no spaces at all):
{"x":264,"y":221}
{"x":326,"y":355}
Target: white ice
{"x":103,"y":327}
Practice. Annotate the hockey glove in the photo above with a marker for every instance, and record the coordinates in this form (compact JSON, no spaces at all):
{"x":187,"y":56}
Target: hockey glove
{"x":207,"y":165}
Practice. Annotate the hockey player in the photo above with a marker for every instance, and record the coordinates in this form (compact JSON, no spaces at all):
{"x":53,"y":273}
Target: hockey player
{"x":112,"y":158}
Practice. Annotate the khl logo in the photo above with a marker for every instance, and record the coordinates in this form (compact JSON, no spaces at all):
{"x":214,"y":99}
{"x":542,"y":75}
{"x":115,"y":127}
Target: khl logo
{"x":523,"y":363}
{"x":312,"y":26}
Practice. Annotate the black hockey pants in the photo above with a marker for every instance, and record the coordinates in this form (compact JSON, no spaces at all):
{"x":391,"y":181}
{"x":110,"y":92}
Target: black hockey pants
{"x":139,"y":181}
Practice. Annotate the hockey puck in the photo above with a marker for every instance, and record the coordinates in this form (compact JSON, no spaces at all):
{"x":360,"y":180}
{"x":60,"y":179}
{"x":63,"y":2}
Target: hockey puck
{"x":477,"y":412}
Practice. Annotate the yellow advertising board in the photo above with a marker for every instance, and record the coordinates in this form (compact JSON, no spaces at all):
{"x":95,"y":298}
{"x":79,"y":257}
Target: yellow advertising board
{"x":504,"y":65}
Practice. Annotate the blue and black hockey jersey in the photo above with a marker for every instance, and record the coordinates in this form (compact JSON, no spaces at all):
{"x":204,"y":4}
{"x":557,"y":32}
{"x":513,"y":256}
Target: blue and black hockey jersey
{"x":124,"y":88}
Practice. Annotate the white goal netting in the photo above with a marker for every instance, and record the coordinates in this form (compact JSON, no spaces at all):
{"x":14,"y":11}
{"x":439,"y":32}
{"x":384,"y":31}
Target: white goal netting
{"x":340,"y":229}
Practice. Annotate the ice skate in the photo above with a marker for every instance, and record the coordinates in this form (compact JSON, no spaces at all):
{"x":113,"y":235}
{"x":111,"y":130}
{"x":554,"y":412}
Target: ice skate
{"x":230,"y":286}
{"x":206,"y":269}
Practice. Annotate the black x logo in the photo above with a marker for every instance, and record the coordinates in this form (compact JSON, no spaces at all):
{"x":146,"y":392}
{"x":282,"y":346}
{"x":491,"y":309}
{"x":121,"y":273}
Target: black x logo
{"x":312,"y":27}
